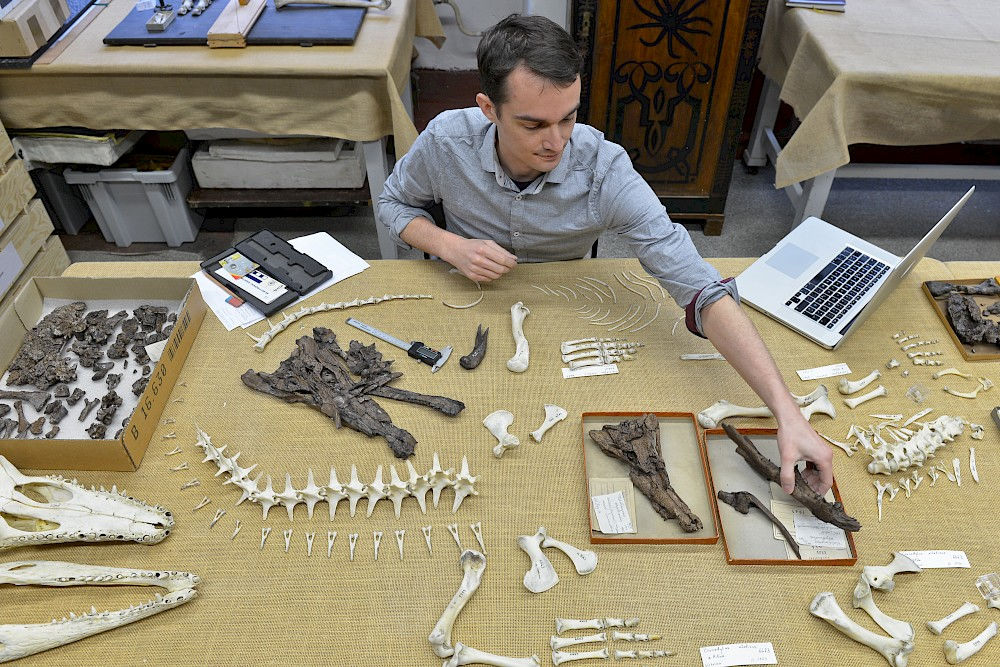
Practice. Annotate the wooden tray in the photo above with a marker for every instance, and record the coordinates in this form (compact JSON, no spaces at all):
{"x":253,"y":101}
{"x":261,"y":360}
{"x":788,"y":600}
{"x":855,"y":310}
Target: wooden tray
{"x":749,"y":539}
{"x":981,"y":351}
{"x":684,"y":456}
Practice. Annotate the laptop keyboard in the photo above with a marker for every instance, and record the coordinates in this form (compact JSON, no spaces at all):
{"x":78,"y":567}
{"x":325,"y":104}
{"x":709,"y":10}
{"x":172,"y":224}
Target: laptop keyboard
{"x":837,"y":287}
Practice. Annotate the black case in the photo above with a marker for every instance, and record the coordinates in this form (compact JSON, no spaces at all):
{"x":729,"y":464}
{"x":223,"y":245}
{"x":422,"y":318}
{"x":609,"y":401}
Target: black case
{"x":299,"y":273}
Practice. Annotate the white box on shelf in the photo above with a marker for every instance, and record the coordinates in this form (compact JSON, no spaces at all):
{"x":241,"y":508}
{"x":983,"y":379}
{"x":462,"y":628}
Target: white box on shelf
{"x":314,"y":163}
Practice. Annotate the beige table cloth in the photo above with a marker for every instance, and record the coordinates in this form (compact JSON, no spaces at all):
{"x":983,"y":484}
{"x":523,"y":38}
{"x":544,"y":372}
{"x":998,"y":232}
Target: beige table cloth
{"x":352,"y":92}
{"x":270,"y":607}
{"x":894,"y":72}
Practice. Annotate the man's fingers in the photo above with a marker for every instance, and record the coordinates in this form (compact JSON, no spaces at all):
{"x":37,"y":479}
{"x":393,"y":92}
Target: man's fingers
{"x":826,"y":477}
{"x":787,"y":476}
{"x":496,"y":253}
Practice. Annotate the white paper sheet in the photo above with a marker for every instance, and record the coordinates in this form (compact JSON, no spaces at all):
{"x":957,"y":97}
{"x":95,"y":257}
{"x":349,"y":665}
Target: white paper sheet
{"x":938,"y":558}
{"x":815,"y":532}
{"x":320,"y":246}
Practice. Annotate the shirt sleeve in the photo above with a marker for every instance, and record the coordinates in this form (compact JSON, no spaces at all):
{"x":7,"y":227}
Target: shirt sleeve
{"x":664,"y":248}
{"x":409,"y":189}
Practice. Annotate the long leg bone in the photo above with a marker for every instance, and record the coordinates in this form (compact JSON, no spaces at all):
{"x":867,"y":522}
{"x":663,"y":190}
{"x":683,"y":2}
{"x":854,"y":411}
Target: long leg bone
{"x":541,"y":576}
{"x":881,"y":576}
{"x":863,"y":600}
{"x":895,"y":651}
{"x":519,"y":362}
{"x":567,"y":624}
{"x":938,"y":626}
{"x":553,"y":415}
{"x":559,"y":657}
{"x":847,"y":387}
{"x":473,"y":564}
{"x":852,"y":403}
{"x":558,"y":643}
{"x":497,"y":423}
{"x":956,"y":653}
{"x":466,"y":655}
{"x":585,"y":561}
{"x":711,"y":416}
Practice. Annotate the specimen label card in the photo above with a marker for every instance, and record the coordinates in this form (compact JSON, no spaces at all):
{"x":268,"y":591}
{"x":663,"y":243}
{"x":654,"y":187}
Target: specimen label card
{"x":728,"y":655}
{"x":833,"y":370}
{"x":933,"y":559}
{"x":612,"y":513}
{"x":604,"y":486}
{"x":816,"y":532}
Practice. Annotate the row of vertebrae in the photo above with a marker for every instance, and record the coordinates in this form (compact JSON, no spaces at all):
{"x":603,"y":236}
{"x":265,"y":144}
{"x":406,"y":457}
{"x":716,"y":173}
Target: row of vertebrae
{"x":397,"y":489}
{"x":904,"y":452}
{"x":287,"y":319}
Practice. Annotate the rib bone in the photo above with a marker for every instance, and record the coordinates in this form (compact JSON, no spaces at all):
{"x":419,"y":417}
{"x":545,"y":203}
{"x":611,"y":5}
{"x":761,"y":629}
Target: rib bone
{"x":465,"y":655}
{"x":895,"y":651}
{"x":585,"y":561}
{"x":863,"y":600}
{"x":553,"y":415}
{"x":956,"y":653}
{"x":541,"y":576}
{"x":519,"y":362}
{"x":938,"y":626}
{"x":880,"y":576}
{"x":473,"y":564}
{"x":497,"y":424}
{"x":847,"y":387}
{"x":855,"y":402}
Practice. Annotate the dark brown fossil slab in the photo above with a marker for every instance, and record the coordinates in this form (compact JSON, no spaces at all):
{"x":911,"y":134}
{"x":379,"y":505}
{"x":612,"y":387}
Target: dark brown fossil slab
{"x":40,"y":360}
{"x":967,"y":320}
{"x":319,"y":374}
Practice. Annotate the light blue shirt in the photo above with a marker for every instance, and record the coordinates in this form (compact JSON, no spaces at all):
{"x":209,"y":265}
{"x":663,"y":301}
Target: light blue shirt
{"x":593,"y":189}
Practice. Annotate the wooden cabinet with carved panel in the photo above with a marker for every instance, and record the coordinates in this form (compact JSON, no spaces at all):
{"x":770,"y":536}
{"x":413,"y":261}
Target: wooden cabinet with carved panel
{"x":668,"y":80}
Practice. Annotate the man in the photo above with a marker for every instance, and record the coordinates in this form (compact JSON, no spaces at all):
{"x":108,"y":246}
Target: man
{"x":520,"y":180}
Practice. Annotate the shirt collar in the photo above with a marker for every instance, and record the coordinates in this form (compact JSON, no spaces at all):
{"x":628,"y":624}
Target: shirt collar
{"x":490,"y":162}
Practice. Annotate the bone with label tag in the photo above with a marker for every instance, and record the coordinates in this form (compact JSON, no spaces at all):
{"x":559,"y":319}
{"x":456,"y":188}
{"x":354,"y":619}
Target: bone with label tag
{"x":559,"y":657}
{"x":497,"y":423}
{"x":558,"y":643}
{"x":553,"y":415}
{"x":895,"y":651}
{"x":541,"y":576}
{"x":938,"y":626}
{"x":568,"y":624}
{"x":956,"y":653}
{"x":473,"y":565}
{"x":519,"y":362}
{"x":585,"y":561}
{"x":881,"y":576}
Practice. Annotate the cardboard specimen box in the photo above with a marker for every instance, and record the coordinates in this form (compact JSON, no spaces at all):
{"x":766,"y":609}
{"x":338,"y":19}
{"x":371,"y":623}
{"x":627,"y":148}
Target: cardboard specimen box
{"x":684,"y":458}
{"x":124,"y":453}
{"x":980,"y":351}
{"x":751,"y":539}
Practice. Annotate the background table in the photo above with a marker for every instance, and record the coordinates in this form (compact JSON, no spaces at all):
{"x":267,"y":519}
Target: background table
{"x":352,"y":92}
{"x":267,"y":607}
{"x":894,"y":73}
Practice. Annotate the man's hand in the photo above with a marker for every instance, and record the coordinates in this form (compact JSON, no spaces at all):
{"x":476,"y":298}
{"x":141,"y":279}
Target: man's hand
{"x":478,"y":259}
{"x":796,"y":441}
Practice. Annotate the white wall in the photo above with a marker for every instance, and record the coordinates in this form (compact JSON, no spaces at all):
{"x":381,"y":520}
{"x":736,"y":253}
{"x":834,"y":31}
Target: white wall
{"x":459,"y":50}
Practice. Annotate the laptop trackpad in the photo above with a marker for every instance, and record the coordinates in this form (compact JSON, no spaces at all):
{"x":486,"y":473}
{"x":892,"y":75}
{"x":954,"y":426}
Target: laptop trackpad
{"x":791,"y":260}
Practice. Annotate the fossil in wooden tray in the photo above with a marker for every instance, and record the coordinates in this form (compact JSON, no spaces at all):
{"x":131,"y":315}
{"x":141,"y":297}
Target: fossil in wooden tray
{"x":319,"y":374}
{"x":742,"y":501}
{"x":967,"y":320}
{"x":822,"y":509}
{"x":636,"y":442}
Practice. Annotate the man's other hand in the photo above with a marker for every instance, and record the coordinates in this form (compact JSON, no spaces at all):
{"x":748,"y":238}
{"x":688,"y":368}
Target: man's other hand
{"x":480,"y":260}
{"x":797,"y":441}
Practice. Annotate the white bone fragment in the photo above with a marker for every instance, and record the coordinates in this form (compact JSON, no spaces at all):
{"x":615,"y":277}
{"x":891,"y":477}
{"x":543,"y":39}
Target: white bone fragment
{"x":956,"y":653}
{"x":399,"y":541}
{"x":175,"y":450}
{"x":629,"y":314}
{"x":264,"y":532}
{"x":311,"y":494}
{"x":438,"y":479}
{"x":892,"y":363}
{"x":621,"y":622}
{"x":427,"y":537}
{"x":888,"y":418}
{"x":633,"y":654}
{"x":352,"y":542}
{"x":632,"y":320}
{"x":290,"y":497}
{"x":881,"y":576}
{"x":848,"y":449}
{"x":191,"y":484}
{"x":958,"y":470}
{"x":418,"y":487}
{"x":934,"y":474}
{"x":639,"y":280}
{"x":893,"y":490}
{"x":377,"y":490}
{"x":596,"y":319}
{"x":558,"y":643}
{"x":553,"y":415}
{"x":702,"y":356}
{"x":334,"y":492}
{"x":947,"y":473}
{"x":863,"y":600}
{"x":477,"y":530}
{"x":572,"y":345}
{"x":938,"y":626}
{"x":919,"y":343}
{"x":922,"y":362}
{"x":331,"y":537}
{"x":288,"y":538}
{"x":204,"y":501}
{"x":853,"y":403}
{"x":541,"y":576}
{"x":972,"y":464}
{"x":182,"y":466}
{"x":473,"y":565}
{"x":236,"y":531}
{"x":467,"y":305}
{"x":169,"y":436}
{"x":895,"y":651}
{"x":648,"y":322}
{"x":466,"y":655}
{"x":464,"y":485}
{"x":634,"y":636}
{"x":497,"y":423}
{"x":169,"y":420}
{"x":844,"y":386}
{"x":567,"y":624}
{"x":976,"y":431}
{"x":630,"y":289}
{"x":584,"y":560}
{"x":309,"y":543}
{"x":398,"y":490}
{"x":377,"y":538}
{"x":453,"y":529}
{"x":519,"y":362}
{"x":881,"y":489}
{"x":917,"y":479}
{"x":219,"y":513}
{"x":904,"y":483}
{"x":559,"y":657}
{"x":354,"y":489}
{"x":951,"y":371}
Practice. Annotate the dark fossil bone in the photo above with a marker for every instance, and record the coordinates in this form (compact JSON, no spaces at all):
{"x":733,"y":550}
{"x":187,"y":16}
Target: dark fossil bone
{"x":968,"y":322}
{"x":940,"y":288}
{"x":830,"y":512}
{"x":474,"y":358}
{"x":636,"y":442}
{"x":37,"y":399}
{"x":22,"y":422}
{"x":4,"y":409}
{"x":318,"y":373}
{"x":39,"y":360}
{"x":36,"y":426}
{"x":742,"y":501}
{"x":75,"y":397}
{"x":88,"y":406}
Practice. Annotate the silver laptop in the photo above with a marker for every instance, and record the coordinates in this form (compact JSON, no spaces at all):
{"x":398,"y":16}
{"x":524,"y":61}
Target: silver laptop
{"x":823,"y":282}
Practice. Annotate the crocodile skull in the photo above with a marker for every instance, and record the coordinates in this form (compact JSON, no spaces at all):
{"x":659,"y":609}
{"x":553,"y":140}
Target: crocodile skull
{"x":51,"y":509}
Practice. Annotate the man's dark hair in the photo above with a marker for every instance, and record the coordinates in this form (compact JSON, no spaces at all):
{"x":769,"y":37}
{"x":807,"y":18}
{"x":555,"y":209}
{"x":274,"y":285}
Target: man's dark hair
{"x":537,"y":43}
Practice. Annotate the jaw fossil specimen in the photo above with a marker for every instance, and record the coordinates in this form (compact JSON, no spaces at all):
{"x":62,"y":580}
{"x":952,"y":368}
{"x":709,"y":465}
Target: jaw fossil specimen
{"x":319,"y":374}
{"x":475,"y":357}
{"x":742,"y":501}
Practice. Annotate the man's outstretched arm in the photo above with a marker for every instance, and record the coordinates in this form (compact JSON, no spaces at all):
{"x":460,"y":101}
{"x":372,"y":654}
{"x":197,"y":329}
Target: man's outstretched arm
{"x":734,"y":335}
{"x":477,"y":259}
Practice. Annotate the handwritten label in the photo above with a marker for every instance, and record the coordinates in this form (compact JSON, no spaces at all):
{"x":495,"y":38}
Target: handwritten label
{"x":833,"y":370}
{"x":930,"y":560}
{"x":588,"y":371}
{"x":611,"y":513}
{"x":815,"y":532}
{"x":728,"y":655}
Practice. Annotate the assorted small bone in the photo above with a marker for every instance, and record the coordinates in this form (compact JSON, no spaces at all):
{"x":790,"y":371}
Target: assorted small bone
{"x":519,"y":362}
{"x":553,"y":415}
{"x":597,"y":351}
{"x":541,"y":575}
{"x":908,"y":450}
{"x":853,"y":403}
{"x":497,"y":423}
{"x":938,"y":626}
{"x":956,"y":653}
{"x":895,"y":651}
{"x":844,"y":386}
{"x":815,"y":402}
{"x":473,"y":565}
{"x":559,"y":657}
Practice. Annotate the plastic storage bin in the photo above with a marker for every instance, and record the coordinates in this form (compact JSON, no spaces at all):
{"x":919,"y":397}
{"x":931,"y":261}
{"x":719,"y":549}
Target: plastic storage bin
{"x":283,"y":163}
{"x":133,"y":206}
{"x":66,"y":207}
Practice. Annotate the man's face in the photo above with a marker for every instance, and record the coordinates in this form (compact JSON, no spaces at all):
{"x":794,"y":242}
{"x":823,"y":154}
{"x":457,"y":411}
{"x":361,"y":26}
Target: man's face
{"x":534,"y":124}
